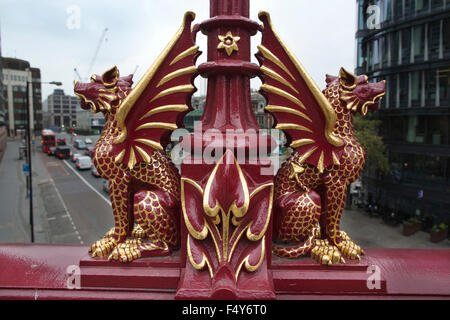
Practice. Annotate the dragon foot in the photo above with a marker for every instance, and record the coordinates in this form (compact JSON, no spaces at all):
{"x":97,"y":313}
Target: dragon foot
{"x":133,"y":249}
{"x":109,"y":234}
{"x":327,"y":254}
{"x":138,"y":232}
{"x":105,"y":245}
{"x":349,"y":248}
{"x":102,"y":247}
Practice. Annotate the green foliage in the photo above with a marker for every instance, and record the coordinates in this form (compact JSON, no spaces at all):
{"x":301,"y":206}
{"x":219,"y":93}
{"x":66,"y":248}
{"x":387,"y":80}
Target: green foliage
{"x":441,"y":226}
{"x":367,"y":132}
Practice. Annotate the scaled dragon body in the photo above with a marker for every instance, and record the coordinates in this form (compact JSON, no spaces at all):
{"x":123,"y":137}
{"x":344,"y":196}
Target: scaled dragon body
{"x":310,"y":201}
{"x":311,"y":186}
{"x":144,"y":186}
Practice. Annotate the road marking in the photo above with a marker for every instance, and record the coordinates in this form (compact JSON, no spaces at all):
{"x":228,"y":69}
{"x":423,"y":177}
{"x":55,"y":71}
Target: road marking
{"x":67,"y":214}
{"x":87,"y":183}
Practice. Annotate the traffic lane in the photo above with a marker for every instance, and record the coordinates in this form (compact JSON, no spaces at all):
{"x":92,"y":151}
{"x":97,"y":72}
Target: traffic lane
{"x":91,"y":215}
{"x":96,"y":182}
{"x":70,"y":139}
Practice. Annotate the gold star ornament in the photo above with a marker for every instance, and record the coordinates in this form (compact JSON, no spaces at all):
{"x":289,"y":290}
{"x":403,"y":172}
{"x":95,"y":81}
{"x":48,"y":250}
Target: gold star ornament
{"x":228,"y":42}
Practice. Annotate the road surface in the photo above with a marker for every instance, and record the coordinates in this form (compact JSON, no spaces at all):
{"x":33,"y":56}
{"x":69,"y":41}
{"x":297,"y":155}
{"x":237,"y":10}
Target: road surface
{"x":78,"y":210}
{"x":84,"y":214}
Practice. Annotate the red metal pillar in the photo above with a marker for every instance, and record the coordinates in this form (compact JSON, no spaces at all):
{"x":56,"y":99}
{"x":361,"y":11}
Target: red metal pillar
{"x":226,"y":193}
{"x":228,"y":104}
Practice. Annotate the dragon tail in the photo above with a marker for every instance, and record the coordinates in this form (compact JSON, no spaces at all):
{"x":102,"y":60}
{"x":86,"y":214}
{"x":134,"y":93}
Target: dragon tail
{"x":299,"y":250}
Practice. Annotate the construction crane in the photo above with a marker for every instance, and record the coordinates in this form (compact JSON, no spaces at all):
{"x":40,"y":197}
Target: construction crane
{"x":135,"y":69}
{"x":100,"y":42}
{"x":78,"y":74}
{"x":96,"y":51}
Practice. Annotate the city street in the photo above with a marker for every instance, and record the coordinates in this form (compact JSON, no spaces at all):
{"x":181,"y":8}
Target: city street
{"x":84,"y":203}
{"x":70,"y":206}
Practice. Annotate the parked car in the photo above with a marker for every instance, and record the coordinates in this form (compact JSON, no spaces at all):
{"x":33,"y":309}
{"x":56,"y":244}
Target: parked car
{"x":75,"y":156}
{"x":94,"y":172}
{"x":63,"y":152}
{"x":106,"y":186}
{"x":88,"y":141}
{"x":83,"y":163}
{"x":79,"y":144}
{"x":51,"y":151}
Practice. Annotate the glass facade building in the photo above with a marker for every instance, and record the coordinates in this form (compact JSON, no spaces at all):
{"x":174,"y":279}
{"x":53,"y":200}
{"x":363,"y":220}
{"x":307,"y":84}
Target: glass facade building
{"x":407,"y":43}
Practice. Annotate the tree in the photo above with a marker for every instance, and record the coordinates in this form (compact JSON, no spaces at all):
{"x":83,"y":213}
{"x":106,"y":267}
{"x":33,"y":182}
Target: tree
{"x":366,"y":130}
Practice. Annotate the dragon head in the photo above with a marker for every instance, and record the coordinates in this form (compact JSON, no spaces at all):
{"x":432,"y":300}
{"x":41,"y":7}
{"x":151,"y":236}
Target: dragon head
{"x":105,"y":92}
{"x":356,"y":93}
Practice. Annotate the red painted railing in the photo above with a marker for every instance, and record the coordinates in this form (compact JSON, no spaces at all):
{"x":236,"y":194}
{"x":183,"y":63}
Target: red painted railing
{"x":67,"y":272}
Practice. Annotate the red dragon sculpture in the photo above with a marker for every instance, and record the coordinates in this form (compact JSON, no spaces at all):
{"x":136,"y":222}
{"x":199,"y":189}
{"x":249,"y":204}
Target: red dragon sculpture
{"x":311,"y":186}
{"x":144,"y":186}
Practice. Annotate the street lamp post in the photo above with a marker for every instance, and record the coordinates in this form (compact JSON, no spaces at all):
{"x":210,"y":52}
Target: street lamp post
{"x":29,"y":134}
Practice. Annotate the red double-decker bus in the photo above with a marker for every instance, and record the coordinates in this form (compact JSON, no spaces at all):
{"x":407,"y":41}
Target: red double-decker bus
{"x":48,"y":139}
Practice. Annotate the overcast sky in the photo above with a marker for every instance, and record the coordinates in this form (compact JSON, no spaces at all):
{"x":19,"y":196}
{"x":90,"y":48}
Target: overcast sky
{"x":321,"y":33}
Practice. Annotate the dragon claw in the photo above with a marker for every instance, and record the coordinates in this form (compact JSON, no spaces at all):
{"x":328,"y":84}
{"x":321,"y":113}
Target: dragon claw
{"x":102,"y":247}
{"x":326,"y":254}
{"x":349,"y":248}
{"x":110,"y":233}
{"x":126,"y":252}
{"x":138,"y":232}
{"x":105,"y":245}
{"x":133,"y":249}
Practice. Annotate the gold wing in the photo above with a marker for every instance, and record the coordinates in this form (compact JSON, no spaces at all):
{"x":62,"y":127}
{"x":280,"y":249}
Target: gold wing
{"x":299,"y":107}
{"x":159,"y":102}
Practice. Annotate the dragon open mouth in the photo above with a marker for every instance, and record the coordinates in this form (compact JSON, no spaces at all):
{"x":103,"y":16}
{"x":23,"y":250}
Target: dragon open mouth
{"x":355,"y":104}
{"x":86,"y":104}
{"x":371,"y":105}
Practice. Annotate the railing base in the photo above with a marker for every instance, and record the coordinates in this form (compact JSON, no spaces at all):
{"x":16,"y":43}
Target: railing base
{"x":44,"y":272}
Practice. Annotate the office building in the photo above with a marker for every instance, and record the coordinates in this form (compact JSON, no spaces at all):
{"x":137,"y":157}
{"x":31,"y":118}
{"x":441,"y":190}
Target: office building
{"x":407,"y":43}
{"x":16,"y":74}
{"x":88,"y":122}
{"x":61,"y":110}
{"x":3,"y":130}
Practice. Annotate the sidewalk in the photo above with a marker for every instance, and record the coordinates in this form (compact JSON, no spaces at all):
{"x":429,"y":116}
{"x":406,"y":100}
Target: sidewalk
{"x":374,"y":233}
{"x":14,"y":224}
{"x":14,"y":211}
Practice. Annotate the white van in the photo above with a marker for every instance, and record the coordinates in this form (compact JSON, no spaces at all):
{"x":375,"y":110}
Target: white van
{"x":83,"y":163}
